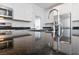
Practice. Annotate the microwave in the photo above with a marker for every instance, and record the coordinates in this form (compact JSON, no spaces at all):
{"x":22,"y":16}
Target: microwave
{"x":6,"y":12}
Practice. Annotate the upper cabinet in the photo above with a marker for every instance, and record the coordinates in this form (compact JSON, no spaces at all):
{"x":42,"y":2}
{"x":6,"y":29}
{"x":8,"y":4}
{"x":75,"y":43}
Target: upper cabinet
{"x":69,"y":8}
{"x":21,"y":11}
{"x":6,"y":12}
{"x":75,"y":11}
{"x":64,"y":8}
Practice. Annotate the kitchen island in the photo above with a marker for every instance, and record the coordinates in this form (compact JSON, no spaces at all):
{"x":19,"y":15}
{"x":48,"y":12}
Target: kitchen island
{"x":27,"y":42}
{"x":24,"y":42}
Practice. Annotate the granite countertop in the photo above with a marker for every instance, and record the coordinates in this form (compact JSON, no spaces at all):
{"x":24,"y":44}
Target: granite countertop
{"x":27,"y":42}
{"x":21,"y":42}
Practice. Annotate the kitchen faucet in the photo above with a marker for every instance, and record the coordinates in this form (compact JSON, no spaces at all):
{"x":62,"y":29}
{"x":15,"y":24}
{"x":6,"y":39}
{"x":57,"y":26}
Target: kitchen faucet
{"x":56,"y":27}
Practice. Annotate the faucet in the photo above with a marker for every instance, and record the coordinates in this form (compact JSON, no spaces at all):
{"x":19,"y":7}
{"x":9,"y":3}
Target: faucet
{"x":52,"y":11}
{"x":56,"y":21}
{"x":56,"y":27}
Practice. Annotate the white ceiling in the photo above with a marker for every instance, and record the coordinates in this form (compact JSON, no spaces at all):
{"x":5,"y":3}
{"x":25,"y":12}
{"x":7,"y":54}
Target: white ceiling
{"x":47,"y":5}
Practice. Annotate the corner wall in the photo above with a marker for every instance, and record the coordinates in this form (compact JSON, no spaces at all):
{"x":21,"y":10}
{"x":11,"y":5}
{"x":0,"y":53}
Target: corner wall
{"x":25,"y":11}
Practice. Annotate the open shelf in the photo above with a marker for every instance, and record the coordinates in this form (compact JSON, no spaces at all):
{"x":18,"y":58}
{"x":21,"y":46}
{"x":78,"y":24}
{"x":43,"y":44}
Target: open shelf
{"x":75,"y":21}
{"x":5,"y":16}
{"x":19,"y":20}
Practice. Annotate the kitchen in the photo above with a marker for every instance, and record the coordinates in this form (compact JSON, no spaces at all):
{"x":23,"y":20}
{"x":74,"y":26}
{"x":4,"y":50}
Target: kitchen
{"x":39,"y":28}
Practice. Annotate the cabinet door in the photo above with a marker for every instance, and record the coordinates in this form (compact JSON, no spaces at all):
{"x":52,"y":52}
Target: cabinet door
{"x":75,"y":45}
{"x":75,"y":11}
{"x":21,"y":11}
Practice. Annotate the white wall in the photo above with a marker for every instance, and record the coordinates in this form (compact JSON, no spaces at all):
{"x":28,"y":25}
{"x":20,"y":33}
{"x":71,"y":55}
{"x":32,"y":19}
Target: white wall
{"x":68,"y":7}
{"x":62,"y":8}
{"x":26,"y":11}
{"x":38,"y":11}
{"x":75,"y":11}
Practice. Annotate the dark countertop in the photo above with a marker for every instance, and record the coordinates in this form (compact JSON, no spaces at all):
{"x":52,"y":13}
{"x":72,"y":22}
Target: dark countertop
{"x":27,"y":42}
{"x":16,"y":42}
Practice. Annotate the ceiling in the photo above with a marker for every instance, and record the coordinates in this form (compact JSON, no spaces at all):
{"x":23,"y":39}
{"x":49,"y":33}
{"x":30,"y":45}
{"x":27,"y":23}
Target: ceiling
{"x":47,"y":5}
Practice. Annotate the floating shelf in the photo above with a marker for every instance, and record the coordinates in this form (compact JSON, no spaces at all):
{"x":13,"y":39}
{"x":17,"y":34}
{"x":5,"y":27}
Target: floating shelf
{"x":19,"y":20}
{"x":10,"y":18}
{"x":4,"y":16}
{"x":75,"y":21}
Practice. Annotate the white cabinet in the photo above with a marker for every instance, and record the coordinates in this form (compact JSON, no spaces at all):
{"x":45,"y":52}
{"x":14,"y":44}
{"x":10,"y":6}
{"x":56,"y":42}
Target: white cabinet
{"x":75,"y":11}
{"x":75,"y":45}
{"x":21,"y":11}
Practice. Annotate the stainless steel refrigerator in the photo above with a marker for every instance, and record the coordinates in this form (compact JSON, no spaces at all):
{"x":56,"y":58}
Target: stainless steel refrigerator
{"x":62,"y":32}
